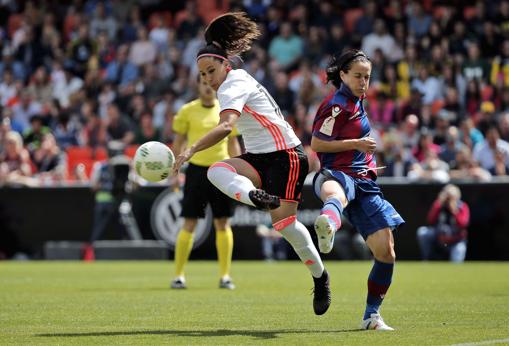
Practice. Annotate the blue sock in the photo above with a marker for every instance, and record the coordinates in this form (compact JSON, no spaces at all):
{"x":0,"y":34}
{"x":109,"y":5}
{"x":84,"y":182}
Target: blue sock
{"x":333,"y":209}
{"x":379,"y":281}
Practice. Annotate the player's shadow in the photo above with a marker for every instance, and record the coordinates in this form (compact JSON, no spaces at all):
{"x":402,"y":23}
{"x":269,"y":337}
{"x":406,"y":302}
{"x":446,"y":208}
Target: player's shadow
{"x":258,"y":334}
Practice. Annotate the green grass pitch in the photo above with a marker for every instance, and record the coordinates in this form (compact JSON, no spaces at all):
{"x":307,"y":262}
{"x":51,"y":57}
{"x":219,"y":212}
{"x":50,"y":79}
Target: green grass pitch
{"x":104,"y":303}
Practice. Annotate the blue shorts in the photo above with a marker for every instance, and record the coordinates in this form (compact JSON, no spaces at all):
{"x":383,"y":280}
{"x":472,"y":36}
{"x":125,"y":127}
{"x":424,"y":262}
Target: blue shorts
{"x":367,"y":209}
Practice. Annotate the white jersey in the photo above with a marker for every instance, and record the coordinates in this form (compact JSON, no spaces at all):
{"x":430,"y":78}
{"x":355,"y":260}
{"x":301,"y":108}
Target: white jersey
{"x":261,"y":123}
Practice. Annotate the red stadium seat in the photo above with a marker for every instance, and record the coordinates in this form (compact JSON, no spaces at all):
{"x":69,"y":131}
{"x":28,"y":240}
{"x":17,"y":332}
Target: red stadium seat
{"x":131,"y":150}
{"x":83,"y":155}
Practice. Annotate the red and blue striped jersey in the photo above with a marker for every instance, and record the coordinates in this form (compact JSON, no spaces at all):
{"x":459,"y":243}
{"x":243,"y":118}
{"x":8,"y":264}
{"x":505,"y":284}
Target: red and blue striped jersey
{"x":351,"y":122}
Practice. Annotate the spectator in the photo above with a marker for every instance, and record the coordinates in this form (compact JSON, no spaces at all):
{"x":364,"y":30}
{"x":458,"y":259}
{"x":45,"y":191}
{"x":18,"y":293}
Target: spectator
{"x":143,"y":51}
{"x":431,"y":169}
{"x":7,"y":87}
{"x":66,"y":131}
{"x":451,"y":146}
{"x":146,"y":131}
{"x":428,"y":85}
{"x":286,"y":48}
{"x":475,"y":67}
{"x":118,"y":126}
{"x":34,"y":135}
{"x":425,"y":145}
{"x":103,"y":22}
{"x":418,"y":21}
{"x":80,"y":51}
{"x":190,"y":26}
{"x":40,"y":86}
{"x":49,"y":160}
{"x":121,"y":71}
{"x":159,"y":34}
{"x":485,"y":153}
{"x":15,"y":162}
{"x":503,"y":125}
{"x":448,"y":218}
{"x":381,"y":39}
{"x":25,"y":109}
{"x":364,"y":25}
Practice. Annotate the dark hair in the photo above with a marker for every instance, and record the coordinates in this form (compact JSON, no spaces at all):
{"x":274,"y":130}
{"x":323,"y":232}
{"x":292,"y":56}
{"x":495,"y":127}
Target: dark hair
{"x":344,"y":63}
{"x":230,"y":34}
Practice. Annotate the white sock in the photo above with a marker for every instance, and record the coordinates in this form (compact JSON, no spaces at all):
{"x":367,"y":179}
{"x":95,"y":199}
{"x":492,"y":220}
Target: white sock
{"x":298,"y":236}
{"x":228,"y":181}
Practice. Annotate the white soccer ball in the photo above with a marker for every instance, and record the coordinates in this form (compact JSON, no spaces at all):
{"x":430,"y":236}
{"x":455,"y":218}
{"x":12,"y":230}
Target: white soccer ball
{"x":153,"y":161}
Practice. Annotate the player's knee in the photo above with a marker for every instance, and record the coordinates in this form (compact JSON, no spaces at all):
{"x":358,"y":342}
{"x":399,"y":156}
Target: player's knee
{"x":190,"y":225}
{"x":217,"y":169}
{"x":221,"y":224}
{"x":385,"y":253}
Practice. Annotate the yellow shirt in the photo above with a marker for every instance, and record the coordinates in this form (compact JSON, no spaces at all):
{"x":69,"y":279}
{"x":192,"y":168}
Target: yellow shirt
{"x":194,"y":121}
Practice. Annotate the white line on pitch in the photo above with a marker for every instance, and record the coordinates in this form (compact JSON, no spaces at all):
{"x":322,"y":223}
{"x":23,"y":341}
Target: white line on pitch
{"x":487,"y":342}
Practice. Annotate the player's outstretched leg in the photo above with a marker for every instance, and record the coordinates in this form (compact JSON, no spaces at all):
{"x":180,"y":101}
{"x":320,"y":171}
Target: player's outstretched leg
{"x":327,"y":223}
{"x":298,"y":236}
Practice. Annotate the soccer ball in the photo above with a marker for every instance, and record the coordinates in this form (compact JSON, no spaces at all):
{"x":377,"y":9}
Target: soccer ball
{"x":153,"y":161}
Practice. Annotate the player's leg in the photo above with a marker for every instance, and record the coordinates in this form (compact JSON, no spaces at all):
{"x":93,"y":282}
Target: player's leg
{"x":193,"y":208}
{"x":375,"y":219}
{"x":239,"y":180}
{"x":381,"y":244}
{"x":183,"y":248}
{"x":286,"y":181}
{"x":285,"y":222}
{"x":222,"y":209}
{"x":224,"y":247}
{"x":335,"y":199}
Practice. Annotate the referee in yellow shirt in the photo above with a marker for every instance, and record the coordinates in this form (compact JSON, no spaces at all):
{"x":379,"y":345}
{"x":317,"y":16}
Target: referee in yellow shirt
{"x":194,"y":120}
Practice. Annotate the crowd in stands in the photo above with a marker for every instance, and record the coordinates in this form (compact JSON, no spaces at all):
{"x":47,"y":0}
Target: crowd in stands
{"x":80,"y":73}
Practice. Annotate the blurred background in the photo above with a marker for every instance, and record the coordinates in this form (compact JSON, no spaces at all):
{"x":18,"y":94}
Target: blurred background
{"x":77,"y":76}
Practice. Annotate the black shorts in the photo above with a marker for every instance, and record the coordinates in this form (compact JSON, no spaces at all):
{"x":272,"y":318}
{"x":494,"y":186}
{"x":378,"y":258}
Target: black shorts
{"x":198,"y":191}
{"x":282,"y":172}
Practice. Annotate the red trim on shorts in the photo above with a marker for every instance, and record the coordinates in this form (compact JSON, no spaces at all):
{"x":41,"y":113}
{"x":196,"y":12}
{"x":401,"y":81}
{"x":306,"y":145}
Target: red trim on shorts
{"x":230,"y":110}
{"x":274,"y":130}
{"x":293,"y":174}
{"x":281,"y":224}
{"x":223,"y":165}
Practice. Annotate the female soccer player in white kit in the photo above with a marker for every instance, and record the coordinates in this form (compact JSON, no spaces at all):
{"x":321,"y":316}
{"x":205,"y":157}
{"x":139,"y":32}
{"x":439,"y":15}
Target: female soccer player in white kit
{"x":271,"y":173}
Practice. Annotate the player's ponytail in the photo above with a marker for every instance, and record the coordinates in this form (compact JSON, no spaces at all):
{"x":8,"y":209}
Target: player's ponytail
{"x":343,"y":63}
{"x":228,"y":35}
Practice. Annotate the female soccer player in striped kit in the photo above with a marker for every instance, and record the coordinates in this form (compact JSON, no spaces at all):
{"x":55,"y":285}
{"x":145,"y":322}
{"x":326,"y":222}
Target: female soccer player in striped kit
{"x":271,"y":173}
{"x":346,"y":181}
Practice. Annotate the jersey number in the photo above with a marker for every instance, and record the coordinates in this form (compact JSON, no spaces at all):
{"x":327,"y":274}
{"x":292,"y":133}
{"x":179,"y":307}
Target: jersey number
{"x":262,"y":89}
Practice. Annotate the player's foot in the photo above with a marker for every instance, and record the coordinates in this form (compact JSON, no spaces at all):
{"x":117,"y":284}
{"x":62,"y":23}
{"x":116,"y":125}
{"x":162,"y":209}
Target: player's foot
{"x":226,"y":283}
{"x":263,"y":200}
{"x":325,"y":232}
{"x":179,"y":283}
{"x":321,"y":299}
{"x":375,"y":322}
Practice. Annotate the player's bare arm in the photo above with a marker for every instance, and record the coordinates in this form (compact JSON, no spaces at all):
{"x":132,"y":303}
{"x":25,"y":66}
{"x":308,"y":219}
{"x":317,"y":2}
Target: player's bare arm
{"x":224,"y":128}
{"x":366,"y":145}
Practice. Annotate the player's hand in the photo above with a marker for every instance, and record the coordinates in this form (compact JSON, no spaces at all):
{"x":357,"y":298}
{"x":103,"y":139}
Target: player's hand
{"x":183,"y":157}
{"x":366,"y":145}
